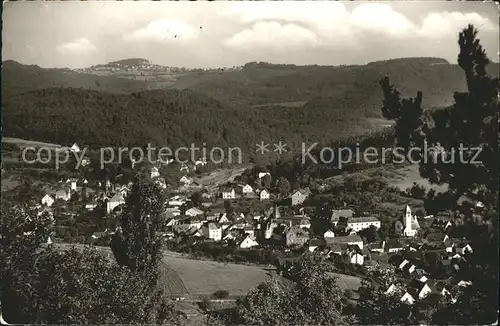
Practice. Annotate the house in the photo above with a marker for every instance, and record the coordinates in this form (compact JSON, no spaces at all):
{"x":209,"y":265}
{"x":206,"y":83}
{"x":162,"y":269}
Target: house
{"x":408,"y":298}
{"x":114,"y":202}
{"x":85,"y":161}
{"x":295,"y":236}
{"x":436,"y":237}
{"x":463,"y":249}
{"x":338,"y":213}
{"x":315,"y":243}
{"x":195,"y":222}
{"x":351,"y":240}
{"x":161,"y":182}
{"x":264,"y":195}
{"x":123,"y":191}
{"x":408,"y":225}
{"x":299,"y":196}
{"x":357,"y":224}
{"x":329,"y":234}
{"x":247,"y":189}
{"x":175,"y":211}
{"x":72,"y":183}
{"x":249,"y":230}
{"x":184,"y":168}
{"x":228,"y":193}
{"x":418,"y":290}
{"x":377,"y":247}
{"x":391,"y":289}
{"x":47,"y":200}
{"x":201,"y":162}
{"x":154,"y":172}
{"x":212,"y":231}
{"x":185,"y":180}
{"x":441,"y":224}
{"x":193,"y":211}
{"x":75,"y":148}
{"x":63,"y":194}
{"x":354,"y":257}
{"x":408,"y":268}
{"x":248,"y":242}
{"x":263,"y":174}
{"x":393,"y":245}
{"x":91,"y":206}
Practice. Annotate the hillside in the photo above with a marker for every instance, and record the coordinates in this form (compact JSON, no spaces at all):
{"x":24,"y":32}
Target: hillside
{"x":166,"y":117}
{"x":18,"y":78}
{"x":258,"y":84}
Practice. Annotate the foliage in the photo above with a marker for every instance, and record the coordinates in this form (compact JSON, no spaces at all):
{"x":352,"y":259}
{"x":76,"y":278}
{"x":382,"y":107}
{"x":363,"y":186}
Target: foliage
{"x":43,"y":285}
{"x":311,"y":297}
{"x":471,"y":122}
{"x":138,"y":242}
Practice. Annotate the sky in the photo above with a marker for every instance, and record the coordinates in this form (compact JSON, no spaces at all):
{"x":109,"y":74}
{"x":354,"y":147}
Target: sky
{"x":78,"y":34}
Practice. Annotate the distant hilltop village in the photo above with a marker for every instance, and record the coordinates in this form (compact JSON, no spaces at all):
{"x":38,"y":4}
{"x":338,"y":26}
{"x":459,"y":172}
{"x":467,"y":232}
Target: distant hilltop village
{"x":143,"y":65}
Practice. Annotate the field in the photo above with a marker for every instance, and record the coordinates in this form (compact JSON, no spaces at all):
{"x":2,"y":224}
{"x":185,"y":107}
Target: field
{"x":220,"y":176}
{"x":405,"y":177}
{"x":206,"y":277}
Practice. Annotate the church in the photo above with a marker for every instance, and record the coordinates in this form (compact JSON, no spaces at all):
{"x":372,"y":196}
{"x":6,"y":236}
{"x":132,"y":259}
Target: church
{"x":407,"y":225}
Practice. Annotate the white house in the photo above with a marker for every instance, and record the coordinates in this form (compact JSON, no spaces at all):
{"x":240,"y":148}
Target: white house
{"x":115,"y":201}
{"x":247,"y":189}
{"x":90,"y":206}
{"x":391,"y":289}
{"x":161,"y":182}
{"x":47,"y":200}
{"x":75,"y":148}
{"x":408,"y":298}
{"x":264,"y":195}
{"x":193,"y":211}
{"x":154,"y":172}
{"x":249,"y":230}
{"x":184,"y":168}
{"x":212,"y":231}
{"x":248,"y":242}
{"x":228,"y":194}
{"x":355,"y":258}
{"x":329,"y":234}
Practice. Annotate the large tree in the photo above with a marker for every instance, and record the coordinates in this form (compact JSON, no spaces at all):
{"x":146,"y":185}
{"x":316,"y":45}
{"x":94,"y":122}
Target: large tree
{"x":138,"y":242}
{"x":458,"y":133}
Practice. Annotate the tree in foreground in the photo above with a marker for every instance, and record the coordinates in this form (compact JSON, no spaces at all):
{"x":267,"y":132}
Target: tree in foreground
{"x":307,"y":296}
{"x":45,"y":285}
{"x":471,"y":172}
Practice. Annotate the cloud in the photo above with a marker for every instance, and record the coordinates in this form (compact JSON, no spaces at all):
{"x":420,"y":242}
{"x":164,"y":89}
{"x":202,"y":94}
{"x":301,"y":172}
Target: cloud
{"x":331,"y":25}
{"x":162,"y":30}
{"x":79,"y":46}
{"x":438,"y":25}
{"x":279,"y":37}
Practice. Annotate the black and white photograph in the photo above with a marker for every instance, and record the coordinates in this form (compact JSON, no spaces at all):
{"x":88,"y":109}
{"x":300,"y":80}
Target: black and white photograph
{"x":249,"y":163}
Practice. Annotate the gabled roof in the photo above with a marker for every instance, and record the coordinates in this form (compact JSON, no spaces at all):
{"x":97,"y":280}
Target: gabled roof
{"x":117,"y":198}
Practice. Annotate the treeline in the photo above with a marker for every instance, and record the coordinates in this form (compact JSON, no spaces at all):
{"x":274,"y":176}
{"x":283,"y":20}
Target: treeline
{"x":168,"y":117}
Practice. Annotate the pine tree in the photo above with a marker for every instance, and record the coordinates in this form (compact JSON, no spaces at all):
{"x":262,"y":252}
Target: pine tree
{"x":468,"y":127}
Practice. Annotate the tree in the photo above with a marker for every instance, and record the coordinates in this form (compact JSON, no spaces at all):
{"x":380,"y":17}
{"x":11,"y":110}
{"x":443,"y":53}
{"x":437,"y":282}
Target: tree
{"x":138,"y":242}
{"x":47,"y":285}
{"x":309,"y":296}
{"x":370,"y":234}
{"x":283,"y":186}
{"x":469,"y":127}
{"x":197,"y":198}
{"x":266,"y":181}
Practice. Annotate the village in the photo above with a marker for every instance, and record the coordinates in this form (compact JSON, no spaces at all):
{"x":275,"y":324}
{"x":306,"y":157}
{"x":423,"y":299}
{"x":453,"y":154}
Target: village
{"x":422,"y":252}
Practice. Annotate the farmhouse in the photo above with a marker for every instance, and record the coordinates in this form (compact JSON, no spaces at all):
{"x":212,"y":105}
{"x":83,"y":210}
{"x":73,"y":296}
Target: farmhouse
{"x":299,"y":196}
{"x":228,"y":193}
{"x":47,"y":200}
{"x":212,"y":231}
{"x":247,"y":189}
